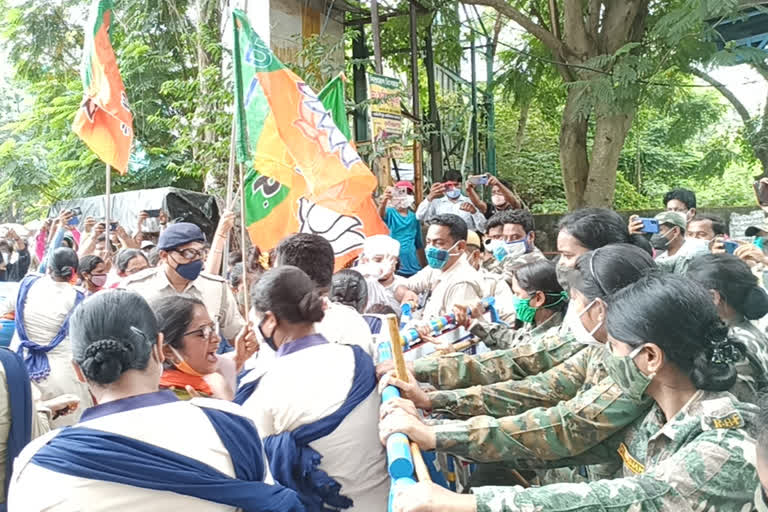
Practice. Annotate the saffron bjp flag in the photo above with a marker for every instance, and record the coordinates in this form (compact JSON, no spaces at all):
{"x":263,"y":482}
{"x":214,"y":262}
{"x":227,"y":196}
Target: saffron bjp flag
{"x":306,"y":177}
{"x":104,"y":121}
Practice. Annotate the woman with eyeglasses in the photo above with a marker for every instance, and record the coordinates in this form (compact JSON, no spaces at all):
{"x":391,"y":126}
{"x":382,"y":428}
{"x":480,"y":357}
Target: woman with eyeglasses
{"x":192,"y":365}
{"x":140,"y":449}
{"x":693,"y":450}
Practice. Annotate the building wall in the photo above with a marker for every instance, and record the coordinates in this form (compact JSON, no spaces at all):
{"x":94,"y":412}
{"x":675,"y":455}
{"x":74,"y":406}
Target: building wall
{"x":291,"y":21}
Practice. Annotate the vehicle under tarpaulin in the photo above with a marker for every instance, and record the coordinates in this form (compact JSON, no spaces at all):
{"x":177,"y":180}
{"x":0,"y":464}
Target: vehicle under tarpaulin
{"x":180,"y":205}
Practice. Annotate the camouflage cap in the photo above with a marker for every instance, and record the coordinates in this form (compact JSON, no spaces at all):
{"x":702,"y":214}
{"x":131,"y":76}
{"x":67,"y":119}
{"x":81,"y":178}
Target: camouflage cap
{"x":673,"y":218}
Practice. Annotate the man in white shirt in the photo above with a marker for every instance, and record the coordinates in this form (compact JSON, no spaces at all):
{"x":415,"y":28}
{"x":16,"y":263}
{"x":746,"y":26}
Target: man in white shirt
{"x":378,"y":263}
{"x":314,"y":255}
{"x":449,"y":278}
{"x":446,"y":198}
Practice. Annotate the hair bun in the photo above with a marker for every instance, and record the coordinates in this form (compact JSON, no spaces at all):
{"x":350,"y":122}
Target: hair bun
{"x":106,"y":360}
{"x":713,"y":366}
{"x":311,"y":307}
{"x":755,"y":303}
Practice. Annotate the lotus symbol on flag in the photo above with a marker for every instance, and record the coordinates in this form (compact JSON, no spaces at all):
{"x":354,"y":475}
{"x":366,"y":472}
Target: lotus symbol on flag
{"x":344,"y":232}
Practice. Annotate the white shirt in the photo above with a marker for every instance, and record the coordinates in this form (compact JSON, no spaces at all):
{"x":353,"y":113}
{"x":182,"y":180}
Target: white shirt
{"x":341,"y":324}
{"x":442,"y":205}
{"x":460,"y":284}
{"x":177,"y":426}
{"x":308,"y":385}
{"x":47,"y":305}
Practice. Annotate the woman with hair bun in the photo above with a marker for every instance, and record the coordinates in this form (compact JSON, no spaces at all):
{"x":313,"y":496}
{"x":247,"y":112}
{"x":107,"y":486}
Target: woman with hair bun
{"x":739,"y":299}
{"x":692,"y":451}
{"x":316,"y":407}
{"x":43,"y":308}
{"x":141,"y":449}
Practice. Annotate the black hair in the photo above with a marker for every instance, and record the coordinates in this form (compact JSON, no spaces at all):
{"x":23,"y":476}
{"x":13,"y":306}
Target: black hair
{"x":235,"y":257}
{"x":88,"y":263}
{"x":452,"y":175}
{"x":110,"y":333}
{"x":604,"y":271}
{"x":678,"y":315}
{"x":496,"y":220}
{"x":64,"y":263}
{"x":454,"y":223}
{"x":598,"y":227}
{"x":382,"y":309}
{"x":541,"y":276}
{"x":125,"y":256}
{"x":349,"y":288}
{"x":290,"y":294}
{"x":719,"y":227}
{"x":312,"y":253}
{"x":685,"y":196}
{"x":733,"y":280}
{"x":174,"y":315}
{"x":522,"y":217}
{"x":236,"y":275}
{"x":504,"y":182}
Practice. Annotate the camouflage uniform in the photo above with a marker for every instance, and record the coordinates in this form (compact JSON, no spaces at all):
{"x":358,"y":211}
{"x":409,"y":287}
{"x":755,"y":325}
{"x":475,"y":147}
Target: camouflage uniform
{"x":538,"y":354}
{"x":703,"y":459}
{"x":509,"y":264}
{"x":551,"y":416}
{"x":753,"y":370}
{"x":500,"y":339}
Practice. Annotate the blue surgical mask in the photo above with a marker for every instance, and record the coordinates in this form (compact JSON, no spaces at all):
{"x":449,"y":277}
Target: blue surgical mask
{"x":452,"y":193}
{"x":759,"y":242}
{"x":437,"y":258}
{"x":513,"y":249}
{"x":190,"y":271}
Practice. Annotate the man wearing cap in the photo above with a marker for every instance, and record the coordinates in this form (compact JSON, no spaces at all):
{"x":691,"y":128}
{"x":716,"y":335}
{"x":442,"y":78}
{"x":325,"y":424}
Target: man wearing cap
{"x":395,"y":209}
{"x":671,"y":236}
{"x":147,"y":246}
{"x":181,"y":253}
{"x":378,"y":263}
{"x":677,"y":250}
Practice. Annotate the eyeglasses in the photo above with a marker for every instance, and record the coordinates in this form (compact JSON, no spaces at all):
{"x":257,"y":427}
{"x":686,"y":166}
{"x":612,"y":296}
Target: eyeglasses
{"x":206,"y":331}
{"x":192,"y":254}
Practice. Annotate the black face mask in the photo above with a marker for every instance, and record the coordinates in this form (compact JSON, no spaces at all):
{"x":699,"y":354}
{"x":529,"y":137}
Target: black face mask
{"x":269,"y":340}
{"x":660,"y":242}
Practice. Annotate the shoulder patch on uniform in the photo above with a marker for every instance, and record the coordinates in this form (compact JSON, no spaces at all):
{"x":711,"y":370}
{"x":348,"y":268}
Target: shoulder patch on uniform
{"x":632,"y":463}
{"x":212,"y":277}
{"x":731,"y":421}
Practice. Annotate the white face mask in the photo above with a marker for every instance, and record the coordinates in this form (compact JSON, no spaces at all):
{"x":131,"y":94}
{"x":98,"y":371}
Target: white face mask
{"x":403,"y":202}
{"x":498,"y":200}
{"x":577,"y":328}
{"x":695,"y":246}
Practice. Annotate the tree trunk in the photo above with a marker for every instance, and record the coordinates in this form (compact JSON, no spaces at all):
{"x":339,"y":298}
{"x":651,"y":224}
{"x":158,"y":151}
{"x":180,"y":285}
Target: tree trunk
{"x":573,"y":150}
{"x":521,"y":124}
{"x":610,"y":133}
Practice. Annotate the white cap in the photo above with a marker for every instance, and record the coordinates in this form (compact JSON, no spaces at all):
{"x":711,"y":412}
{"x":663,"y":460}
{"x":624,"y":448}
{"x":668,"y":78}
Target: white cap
{"x":147,"y":243}
{"x":381,"y":245}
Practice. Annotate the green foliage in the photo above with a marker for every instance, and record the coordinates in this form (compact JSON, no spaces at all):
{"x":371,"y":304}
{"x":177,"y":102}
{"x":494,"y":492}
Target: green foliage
{"x":173,"y":77}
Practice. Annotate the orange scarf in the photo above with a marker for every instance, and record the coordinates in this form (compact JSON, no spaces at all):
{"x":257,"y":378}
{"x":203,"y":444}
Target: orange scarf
{"x":173,"y":378}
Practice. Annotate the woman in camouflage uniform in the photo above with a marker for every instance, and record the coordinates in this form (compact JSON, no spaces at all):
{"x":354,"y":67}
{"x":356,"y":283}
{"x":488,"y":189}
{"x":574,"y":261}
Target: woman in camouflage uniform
{"x":694,"y":450}
{"x":739,"y":299}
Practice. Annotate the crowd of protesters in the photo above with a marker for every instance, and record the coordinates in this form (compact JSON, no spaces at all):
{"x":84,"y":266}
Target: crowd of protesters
{"x":625,"y":372}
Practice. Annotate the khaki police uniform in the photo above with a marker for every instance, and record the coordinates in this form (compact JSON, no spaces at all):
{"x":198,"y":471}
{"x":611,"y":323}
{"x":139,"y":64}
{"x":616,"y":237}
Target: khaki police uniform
{"x":153,"y":284}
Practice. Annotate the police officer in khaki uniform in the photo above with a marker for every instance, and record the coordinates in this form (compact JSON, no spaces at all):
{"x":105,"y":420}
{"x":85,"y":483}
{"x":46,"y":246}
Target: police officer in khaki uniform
{"x":180,"y":271}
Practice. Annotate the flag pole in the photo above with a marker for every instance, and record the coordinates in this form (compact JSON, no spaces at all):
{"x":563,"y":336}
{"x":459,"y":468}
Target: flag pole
{"x":243,"y":240}
{"x":229,"y":200}
{"x":107,"y":209}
